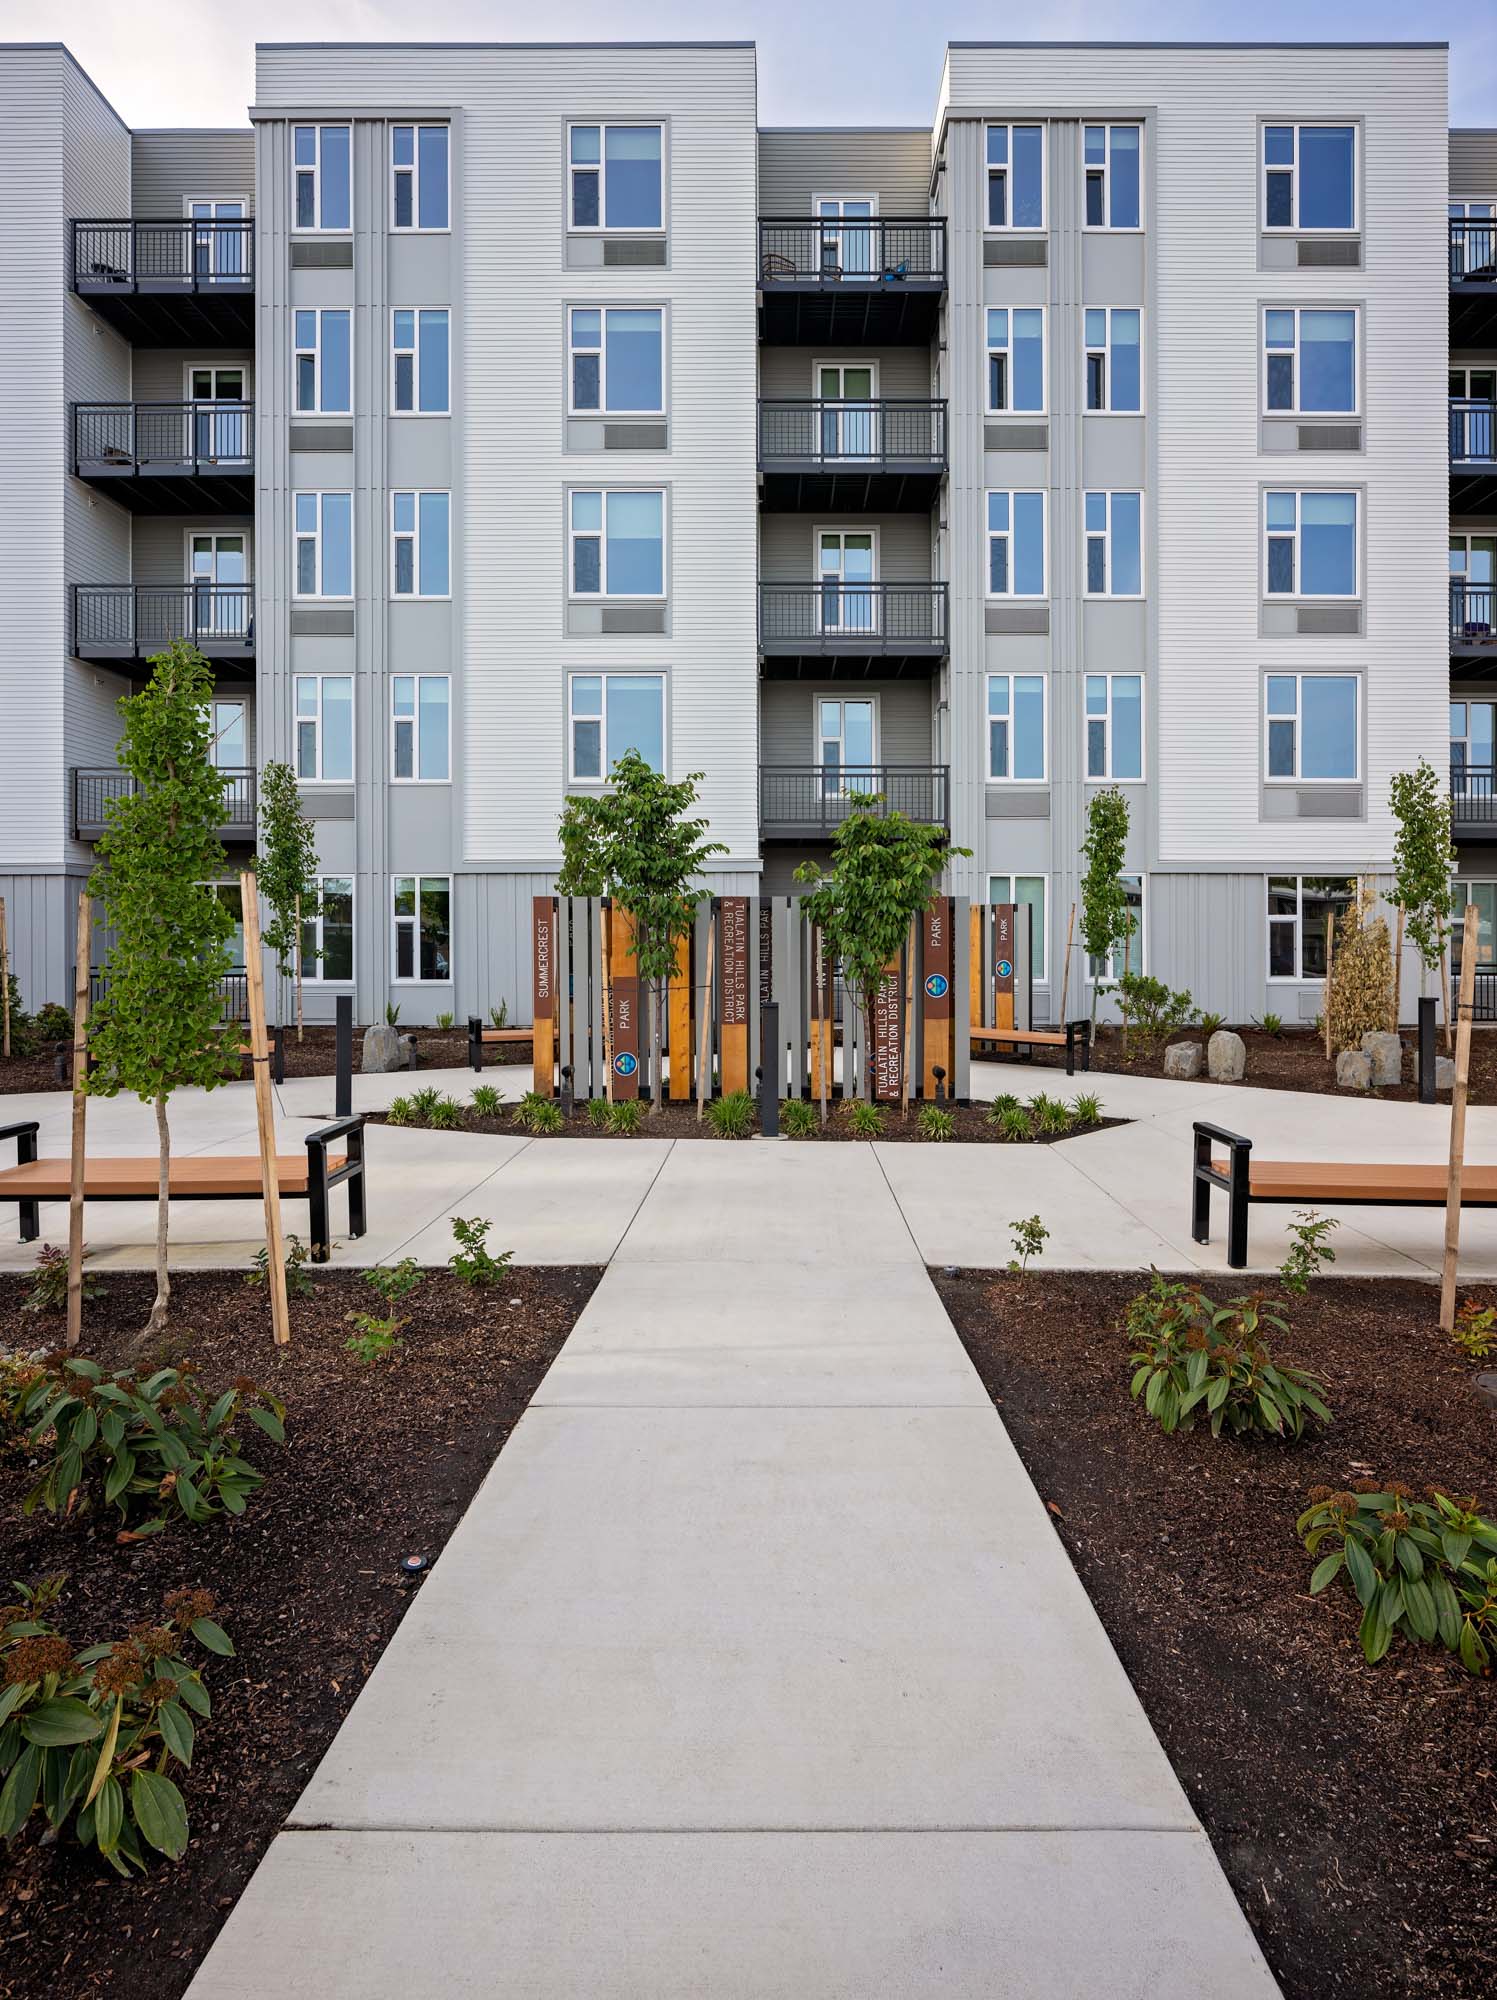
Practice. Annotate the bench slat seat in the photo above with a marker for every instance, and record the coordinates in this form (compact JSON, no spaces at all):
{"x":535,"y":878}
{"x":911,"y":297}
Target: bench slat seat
{"x":1332,"y":1181}
{"x":127,"y":1179}
{"x":1073,"y":1036}
{"x":509,"y":1034}
{"x":1051,"y":1037}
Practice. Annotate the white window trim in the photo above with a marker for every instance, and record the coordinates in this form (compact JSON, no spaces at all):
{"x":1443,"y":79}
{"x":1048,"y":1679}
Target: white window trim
{"x":319,"y":407}
{"x":1108,"y":374}
{"x":1109,"y":978}
{"x":415,"y":353}
{"x":1312,"y":416}
{"x":1299,"y":977}
{"x":418,"y":126}
{"x":312,"y":973}
{"x":1109,"y":776}
{"x":604,"y":410}
{"x":413,"y":535}
{"x":1009,"y":228}
{"x":1041,"y":596}
{"x":319,"y":494}
{"x":418,"y":876}
{"x":415,"y":721}
{"x":1109,"y":493}
{"x":603,"y":595}
{"x":1299,"y":677}
{"x":989,"y":350}
{"x":1296,"y":227}
{"x":1111,"y":228}
{"x":606,"y":674}
{"x":1011,"y":676}
{"x":603,"y":227}
{"x":1040,"y":971}
{"x":297,"y":720}
{"x":315,"y":227}
{"x":1353,"y":596}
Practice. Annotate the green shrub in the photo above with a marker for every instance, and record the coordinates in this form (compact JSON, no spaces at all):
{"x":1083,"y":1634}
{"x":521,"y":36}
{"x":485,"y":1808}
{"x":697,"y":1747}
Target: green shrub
{"x":158,"y":1442}
{"x":538,"y":1115}
{"x":49,"y":1287}
{"x":24,"y":1040}
{"x":298,"y":1284}
{"x":1151,"y":1009}
{"x":731,"y":1116}
{"x":472,"y":1262}
{"x":1269,"y":1024}
{"x":373,"y":1339}
{"x":487,"y":1100}
{"x":935,"y":1123}
{"x":89,"y":1735}
{"x":394,"y":1282}
{"x":1426,"y":1569}
{"x":52,"y":1023}
{"x":1006,"y":1102}
{"x":1050,"y":1115}
{"x":1308,"y":1250}
{"x":445,"y":1021}
{"x":392,"y":1014}
{"x":1475,"y":1331}
{"x":18,"y":1377}
{"x":1086,"y":1109}
{"x":1029,"y":1239}
{"x":625,"y":1117}
{"x":402,"y":1112}
{"x":1192,"y":1357}
{"x":446,"y":1115}
{"x":1211,"y":1023}
{"x":1015,"y":1124}
{"x":865,"y":1120}
{"x":798,"y":1119}
{"x":597,"y":1112}
{"x":430,"y":1107}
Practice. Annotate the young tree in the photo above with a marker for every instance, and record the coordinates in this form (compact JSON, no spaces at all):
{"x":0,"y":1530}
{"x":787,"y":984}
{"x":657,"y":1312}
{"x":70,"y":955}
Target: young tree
{"x":635,"y":843}
{"x":155,"y":1026}
{"x":885,"y":869}
{"x":1106,"y":920}
{"x":1423,"y":863}
{"x":286,"y":871}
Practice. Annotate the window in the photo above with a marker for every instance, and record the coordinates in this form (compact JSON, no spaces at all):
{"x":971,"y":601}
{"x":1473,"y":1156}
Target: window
{"x":423,"y":926}
{"x":231,"y":895}
{"x":1016,"y":545}
{"x":1309,"y":177}
{"x":324,"y":369}
{"x":1114,"y":372}
{"x":1016,"y":359}
{"x":1016,"y":726}
{"x":323,"y":181}
{"x":420,"y":544}
{"x":1028,"y":891}
{"x":1016,"y":177}
{"x":1115,"y":726}
{"x":327,"y":936}
{"x":617,"y":359}
{"x":612,"y":713}
{"x":1484,"y":896}
{"x":1298,"y":906}
{"x":1311,"y":544}
{"x":323,"y":536}
{"x":418,"y":176}
{"x":616,"y":176}
{"x":420,"y":729}
{"x":1309,"y":359}
{"x":1114,"y":544}
{"x":618,"y":544}
{"x":1310,"y":726}
{"x":1110,"y":155}
{"x":1132,"y":955}
{"x":1473,"y":748}
{"x":1473,"y":565}
{"x":421,"y":361}
{"x":229,"y":748}
{"x":1472,"y":249}
{"x":324,"y":728}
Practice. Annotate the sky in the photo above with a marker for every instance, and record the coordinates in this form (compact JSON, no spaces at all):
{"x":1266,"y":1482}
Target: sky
{"x":190,"y":62}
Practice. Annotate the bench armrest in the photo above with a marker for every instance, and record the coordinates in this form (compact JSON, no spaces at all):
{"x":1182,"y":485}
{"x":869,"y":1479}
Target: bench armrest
{"x":15,"y":1131}
{"x":1220,"y":1133}
{"x":337,"y":1130}
{"x":24,"y":1135}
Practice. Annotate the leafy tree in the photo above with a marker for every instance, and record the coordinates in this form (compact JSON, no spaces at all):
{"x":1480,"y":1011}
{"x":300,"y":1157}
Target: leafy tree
{"x":1106,"y":920}
{"x":635,"y":843}
{"x":286,"y":872}
{"x":156,"y":1026}
{"x":1423,"y":862}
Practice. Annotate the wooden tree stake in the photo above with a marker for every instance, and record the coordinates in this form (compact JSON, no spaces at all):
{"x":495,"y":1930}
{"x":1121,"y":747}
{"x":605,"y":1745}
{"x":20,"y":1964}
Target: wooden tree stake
{"x":1458,"y":1125}
{"x":83,"y":951}
{"x":1445,"y":983}
{"x":4,"y":985}
{"x":1397,"y":973}
{"x":298,"y":970}
{"x":275,"y":1248}
{"x":1330,"y":948}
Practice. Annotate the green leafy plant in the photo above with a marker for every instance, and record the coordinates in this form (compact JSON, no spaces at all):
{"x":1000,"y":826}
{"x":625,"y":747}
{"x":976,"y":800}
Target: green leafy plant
{"x":1309,"y":1251}
{"x":935,"y":1123}
{"x":18,"y":1376}
{"x":1050,"y":1115}
{"x":401,"y":1112}
{"x":1211,"y":1024}
{"x":472,"y":1261}
{"x":1475,"y":1331}
{"x":499,"y":1016}
{"x":392,"y":1014}
{"x":286,"y":871}
{"x":624,"y":1118}
{"x":1423,"y":1569}
{"x":394,"y":1282}
{"x":298,"y":1284}
{"x":159,"y":1442}
{"x":865,"y":1120}
{"x":1015,"y":1124}
{"x":1269,"y":1024}
{"x":1193,"y":1358}
{"x":597,"y":1112}
{"x":89,"y":1736}
{"x":1423,"y":864}
{"x":1029,"y":1239}
{"x":445,"y":1021}
{"x":49,"y":1286}
{"x":1006,"y":1102}
{"x":487,"y":1100}
{"x":426,"y":1103}
{"x":51,"y":1023}
{"x":373,"y":1339}
{"x":446,"y":1115}
{"x":1106,"y":920}
{"x":538,"y":1115}
{"x":1151,"y":1010}
{"x":731,"y":1116}
{"x":1086,"y":1109}
{"x":797,"y":1118}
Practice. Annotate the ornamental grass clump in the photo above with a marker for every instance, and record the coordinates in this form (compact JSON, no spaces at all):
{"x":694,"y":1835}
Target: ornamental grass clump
{"x":1359,"y":986}
{"x":798,"y":1118}
{"x":731,"y":1116}
{"x":935,"y":1123}
{"x":486,"y":1101}
{"x":624,"y":1118}
{"x":1050,"y":1115}
{"x":865,"y":1120}
{"x":1194,"y":1358}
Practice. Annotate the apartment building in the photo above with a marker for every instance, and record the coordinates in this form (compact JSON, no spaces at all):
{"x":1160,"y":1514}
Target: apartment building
{"x":484,"y":411}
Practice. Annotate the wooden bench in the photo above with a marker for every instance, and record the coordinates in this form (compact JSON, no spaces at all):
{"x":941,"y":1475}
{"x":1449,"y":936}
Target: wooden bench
{"x":1323,"y":1183}
{"x":198,"y":1177}
{"x":1074,"y":1035}
{"x":481,"y":1038}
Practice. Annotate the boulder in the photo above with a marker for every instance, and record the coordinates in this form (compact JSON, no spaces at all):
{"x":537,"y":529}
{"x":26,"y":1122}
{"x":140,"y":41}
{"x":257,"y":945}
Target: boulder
{"x":383,"y":1051}
{"x":1183,"y":1060}
{"x":1353,"y":1070}
{"x":1384,"y":1051}
{"x":1226,"y":1057}
{"x":1444,"y":1072}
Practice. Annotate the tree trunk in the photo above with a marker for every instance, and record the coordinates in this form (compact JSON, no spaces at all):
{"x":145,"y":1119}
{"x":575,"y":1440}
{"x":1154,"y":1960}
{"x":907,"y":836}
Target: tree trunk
{"x":298,"y":969}
{"x":157,"y":1322}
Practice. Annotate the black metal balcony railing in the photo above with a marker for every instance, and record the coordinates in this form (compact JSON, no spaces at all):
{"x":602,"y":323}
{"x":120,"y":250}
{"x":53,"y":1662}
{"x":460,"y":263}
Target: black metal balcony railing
{"x":93,"y":790}
{"x":1473,"y":428}
{"x":193,"y":255}
{"x":873,"y":434}
{"x":140,"y":619}
{"x":878,"y":250}
{"x":1471,"y":613}
{"x":233,"y":991}
{"x":816,"y":798}
{"x":871,"y":617}
{"x":154,"y":437}
{"x":1473,"y":251}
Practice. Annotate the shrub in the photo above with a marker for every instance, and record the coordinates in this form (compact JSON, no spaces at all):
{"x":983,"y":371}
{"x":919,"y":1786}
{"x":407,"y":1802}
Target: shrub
{"x":538,"y":1114}
{"x":1086,"y":1109}
{"x":487,"y":1100}
{"x":1359,"y":991}
{"x":472,"y":1261}
{"x":1427,"y":1569}
{"x":1308,"y":1250}
{"x":147,"y":1441}
{"x":49,"y":1288}
{"x":1269,"y":1024}
{"x":1151,"y":1009}
{"x":445,"y":1021}
{"x":1209,"y":1024}
{"x":432,"y":1108}
{"x":865,"y":1120}
{"x":446,"y":1115}
{"x":499,"y":1016}
{"x":298,"y":1284}
{"x":1007,"y":1102}
{"x":23,"y":1038}
{"x":798,"y":1119}
{"x":1015,"y":1124}
{"x":402,"y":1112}
{"x":1475,"y":1331}
{"x":51,"y":1023}
{"x":394,"y":1282}
{"x":731,"y":1116}
{"x":18,"y":1377}
{"x":1191,"y":1356}
{"x":936,"y":1123}
{"x":597,"y":1112}
{"x":625,"y":1117}
{"x":138,"y":1695}
{"x":1029,"y":1239}
{"x":373,"y":1339}
{"x":1050,"y":1115}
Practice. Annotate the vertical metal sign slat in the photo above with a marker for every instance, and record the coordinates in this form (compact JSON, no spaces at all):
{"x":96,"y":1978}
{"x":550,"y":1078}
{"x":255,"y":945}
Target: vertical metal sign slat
{"x":963,"y":957}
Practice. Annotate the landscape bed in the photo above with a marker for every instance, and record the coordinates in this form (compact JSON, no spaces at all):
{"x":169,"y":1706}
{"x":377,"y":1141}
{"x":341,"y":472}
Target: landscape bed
{"x":379,"y":1463}
{"x":1350,"y":1804}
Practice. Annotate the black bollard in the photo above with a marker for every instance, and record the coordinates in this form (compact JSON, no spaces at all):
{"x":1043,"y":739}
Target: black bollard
{"x":940,"y":1076}
{"x":343,"y":1058}
{"x":768,"y":1072}
{"x":1427,"y":1051}
{"x":278,"y":1054}
{"x":566,"y":1090}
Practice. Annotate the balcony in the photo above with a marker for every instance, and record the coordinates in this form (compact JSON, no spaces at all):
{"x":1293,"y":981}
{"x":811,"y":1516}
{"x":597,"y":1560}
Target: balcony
{"x":1473,"y":282}
{"x":170,"y":283}
{"x":168,"y":458}
{"x":851,"y":630}
{"x":810,"y":801}
{"x":881,"y":279}
{"x":1473,"y":456}
{"x":233,"y":991}
{"x":93,"y":789}
{"x":1472,"y":635}
{"x":121,"y":623}
{"x":887,"y":454}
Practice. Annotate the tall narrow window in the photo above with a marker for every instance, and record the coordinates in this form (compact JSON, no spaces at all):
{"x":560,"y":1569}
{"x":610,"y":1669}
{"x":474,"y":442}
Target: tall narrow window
{"x":324,"y":727}
{"x":617,"y":359}
{"x":423,"y":927}
{"x":1114,"y":371}
{"x":1115,"y":727}
{"x":1016,"y":545}
{"x":1016,"y":176}
{"x":420,"y":538}
{"x":1110,"y":155}
{"x":1114,"y":544}
{"x":322,"y":176}
{"x":420,"y":361}
{"x":610,"y":714}
{"x":1016,"y":727}
{"x":1027,"y":891}
{"x":418,"y":176}
{"x":1309,"y":359}
{"x":420,"y":732}
{"x":1130,"y":956}
{"x":618,"y":544}
{"x":1310,"y":176}
{"x":323,"y":360}
{"x":1016,"y":359}
{"x":617,"y":176}
{"x":1310,"y":544}
{"x":327,"y":936}
{"x":322,"y":535}
{"x":1311,"y":727}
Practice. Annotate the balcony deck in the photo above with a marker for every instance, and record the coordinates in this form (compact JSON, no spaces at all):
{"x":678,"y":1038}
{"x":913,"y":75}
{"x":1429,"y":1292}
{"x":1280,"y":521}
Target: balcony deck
{"x":877,"y":280}
{"x":169,"y":283}
{"x":886,"y":455}
{"x":1473,"y":637}
{"x":93,"y":789}
{"x":1473,"y":456}
{"x":810,"y":801}
{"x":851,"y":631}
{"x":168,"y":458}
{"x":124,"y":624}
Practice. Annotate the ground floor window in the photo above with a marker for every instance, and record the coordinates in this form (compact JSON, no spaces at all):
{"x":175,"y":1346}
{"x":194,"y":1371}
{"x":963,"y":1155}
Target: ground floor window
{"x":327,"y":937}
{"x":1298,"y":909}
{"x":1484,"y":896}
{"x":1132,"y":957}
{"x":423,"y":926}
{"x":1024,"y":889}
{"x":232,"y":897}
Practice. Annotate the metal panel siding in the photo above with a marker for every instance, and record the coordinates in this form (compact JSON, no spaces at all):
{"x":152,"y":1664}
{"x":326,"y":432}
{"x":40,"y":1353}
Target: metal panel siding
{"x":173,"y":168}
{"x":794,"y":167}
{"x":41,"y":915}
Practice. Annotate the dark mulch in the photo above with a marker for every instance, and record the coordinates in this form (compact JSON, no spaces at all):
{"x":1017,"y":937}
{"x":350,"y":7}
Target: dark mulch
{"x":679,"y":1121}
{"x":1292,"y":1060}
{"x":379,"y":1464}
{"x":1351,"y":1806}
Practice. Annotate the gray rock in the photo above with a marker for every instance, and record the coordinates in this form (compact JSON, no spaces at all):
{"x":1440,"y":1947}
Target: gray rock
{"x":1444,"y":1072}
{"x":383,"y":1051}
{"x":1226,"y":1057}
{"x":1183,"y":1060}
{"x":1384,"y":1051}
{"x":1353,"y":1070}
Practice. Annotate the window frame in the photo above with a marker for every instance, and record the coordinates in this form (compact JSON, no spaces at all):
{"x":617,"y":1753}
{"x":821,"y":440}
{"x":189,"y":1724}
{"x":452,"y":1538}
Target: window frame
{"x":603,"y":227}
{"x":1010,"y":126}
{"x":318,"y":408}
{"x":317,"y":227}
{"x":604,"y":675}
{"x":414,"y":719}
{"x":1109,"y":494}
{"x":1298,"y":493}
{"x":1296,"y":227}
{"x":312,"y":972}
{"x":1107,"y":126}
{"x":1299,"y":977}
{"x":416,"y":126}
{"x":603,"y":595}
{"x":604,"y":409}
{"x":297,"y":719}
{"x":414,"y":351}
{"x":1107,"y":408}
{"x":1296,"y":411}
{"x":415,"y":979}
{"x":417,"y":494}
{"x":1299,"y":676}
{"x":991,"y":596}
{"x":1038,"y":931}
{"x":1109,"y":976}
{"x":1110,"y":776}
{"x":1011,"y":675}
{"x":1007,"y":349}
{"x":317,"y":538}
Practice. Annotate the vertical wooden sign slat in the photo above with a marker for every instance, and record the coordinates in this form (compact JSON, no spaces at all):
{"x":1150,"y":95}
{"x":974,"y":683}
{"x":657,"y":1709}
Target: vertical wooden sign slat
{"x":681,"y":1041}
{"x":733,"y":931}
{"x":935,"y":991}
{"x":887,"y":1053}
{"x":543,"y":995}
{"x":819,"y":998}
{"x":1005,"y":943}
{"x":624,"y":980}
{"x":976,"y":916}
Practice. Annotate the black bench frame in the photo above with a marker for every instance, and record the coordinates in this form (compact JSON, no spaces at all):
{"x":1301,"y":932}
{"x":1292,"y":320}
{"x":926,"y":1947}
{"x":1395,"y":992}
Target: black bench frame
{"x":1078,"y":1035}
{"x":477,"y":1031}
{"x":320,"y":1182}
{"x":1204,"y":1177}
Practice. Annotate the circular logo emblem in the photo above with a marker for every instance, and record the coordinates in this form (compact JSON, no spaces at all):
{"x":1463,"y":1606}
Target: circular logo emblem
{"x":936,"y":986}
{"x":626,"y":1064}
{"x":1005,"y":969}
